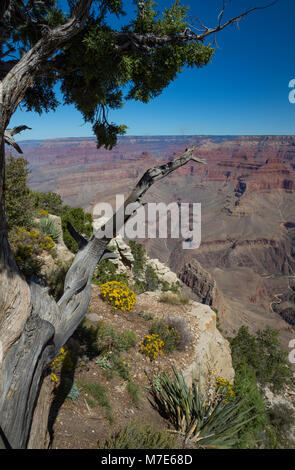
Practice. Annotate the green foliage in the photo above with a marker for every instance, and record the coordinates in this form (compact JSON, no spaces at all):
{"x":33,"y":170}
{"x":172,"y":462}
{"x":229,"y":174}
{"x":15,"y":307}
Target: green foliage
{"x":52,"y":203}
{"x":152,"y":281}
{"x":27,"y":247}
{"x":169,"y":335}
{"x":49,"y":227}
{"x":264,"y":354}
{"x":98,"y":395}
{"x":81,"y":221}
{"x":94,"y":76}
{"x":139,"y":255}
{"x":106,"y":272}
{"x":260,"y":358}
{"x":174,"y":287}
{"x":49,"y":202}
{"x":74,"y":393}
{"x":56,"y":279}
{"x":120,"y":365}
{"x":281,"y":418}
{"x":140,"y":436}
{"x":201,"y":421}
{"x":145,"y":73}
{"x":146,"y":316}
{"x":104,"y":363}
{"x":183,"y":332}
{"x":245,"y":387}
{"x":18,"y":199}
{"x":134,"y":391}
{"x":108,"y":339}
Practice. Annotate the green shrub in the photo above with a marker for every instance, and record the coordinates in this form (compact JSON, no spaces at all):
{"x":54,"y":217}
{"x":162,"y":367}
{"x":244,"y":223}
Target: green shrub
{"x":264,"y":354}
{"x":98,"y":396}
{"x":167,"y":334}
{"x":281,"y":418}
{"x":81,"y":221}
{"x":183,"y":332}
{"x":141,"y":436}
{"x":246,"y":387}
{"x":134,"y":391}
{"x":106,"y":272}
{"x":18,"y":199}
{"x":146,"y":316}
{"x":139,"y":255}
{"x":174,"y":287}
{"x":49,"y":227}
{"x":201,"y":421}
{"x":52,"y":203}
{"x":104,"y":362}
{"x":152,"y":282}
{"x":108,"y":339}
{"x":27,"y":247}
{"x":56,"y":279}
{"x":120,"y":365}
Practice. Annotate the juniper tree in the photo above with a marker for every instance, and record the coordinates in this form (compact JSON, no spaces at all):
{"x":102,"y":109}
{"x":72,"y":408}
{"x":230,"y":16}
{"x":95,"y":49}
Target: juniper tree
{"x":98,"y":68}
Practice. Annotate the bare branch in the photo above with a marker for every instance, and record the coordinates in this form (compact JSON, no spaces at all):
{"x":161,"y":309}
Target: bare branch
{"x":134,"y":201}
{"x":220,"y":16}
{"x":108,"y":254}
{"x":81,"y":241}
{"x":8,"y":136}
{"x":233,"y":20}
{"x":128,"y":40}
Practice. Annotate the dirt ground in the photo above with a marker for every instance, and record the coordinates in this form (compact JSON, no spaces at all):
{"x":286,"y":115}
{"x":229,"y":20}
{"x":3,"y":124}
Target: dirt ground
{"x":76,"y":425}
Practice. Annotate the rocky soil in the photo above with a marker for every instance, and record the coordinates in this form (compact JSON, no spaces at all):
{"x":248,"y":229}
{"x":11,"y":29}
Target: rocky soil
{"x":76,"y":425}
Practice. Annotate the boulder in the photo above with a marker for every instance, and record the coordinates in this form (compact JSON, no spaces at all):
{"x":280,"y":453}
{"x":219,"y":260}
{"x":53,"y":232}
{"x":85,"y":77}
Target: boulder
{"x":212,"y":354}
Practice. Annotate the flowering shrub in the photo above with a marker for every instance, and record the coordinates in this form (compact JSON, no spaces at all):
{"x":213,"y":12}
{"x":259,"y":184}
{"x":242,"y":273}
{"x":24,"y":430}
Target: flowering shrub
{"x":168,"y":334}
{"x":152,"y":346}
{"x":56,"y":364}
{"x":27,"y":246}
{"x":62,"y":360}
{"x":43,"y":213}
{"x":118,"y":295}
{"x":225,"y":388}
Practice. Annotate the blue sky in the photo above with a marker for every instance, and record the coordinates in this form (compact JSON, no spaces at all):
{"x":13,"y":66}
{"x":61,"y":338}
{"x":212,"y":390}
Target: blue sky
{"x":243,"y":92}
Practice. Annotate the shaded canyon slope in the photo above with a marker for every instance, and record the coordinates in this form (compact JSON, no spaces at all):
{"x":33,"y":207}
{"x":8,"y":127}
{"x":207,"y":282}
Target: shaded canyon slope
{"x":246,"y":260}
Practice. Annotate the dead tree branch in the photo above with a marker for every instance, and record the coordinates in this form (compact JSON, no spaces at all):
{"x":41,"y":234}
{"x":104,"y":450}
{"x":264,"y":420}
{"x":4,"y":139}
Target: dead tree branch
{"x":126,"y":40}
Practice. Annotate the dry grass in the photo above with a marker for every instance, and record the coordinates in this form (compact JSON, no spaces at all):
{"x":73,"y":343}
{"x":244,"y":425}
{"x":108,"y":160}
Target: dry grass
{"x":174,"y":299}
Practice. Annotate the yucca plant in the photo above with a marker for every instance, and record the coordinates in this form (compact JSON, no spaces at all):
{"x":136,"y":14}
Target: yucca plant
{"x":49,"y":227}
{"x":202,"y":421}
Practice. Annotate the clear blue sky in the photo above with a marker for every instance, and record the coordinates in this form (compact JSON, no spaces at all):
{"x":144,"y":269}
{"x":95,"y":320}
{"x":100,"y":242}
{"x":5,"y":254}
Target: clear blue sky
{"x":244,"y":91}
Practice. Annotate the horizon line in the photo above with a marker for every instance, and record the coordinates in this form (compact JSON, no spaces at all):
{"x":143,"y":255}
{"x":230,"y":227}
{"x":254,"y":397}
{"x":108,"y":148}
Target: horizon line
{"x":161,"y":135}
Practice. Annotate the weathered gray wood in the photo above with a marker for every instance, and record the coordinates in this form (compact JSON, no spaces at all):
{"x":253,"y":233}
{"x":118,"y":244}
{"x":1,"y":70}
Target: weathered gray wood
{"x":39,"y":435}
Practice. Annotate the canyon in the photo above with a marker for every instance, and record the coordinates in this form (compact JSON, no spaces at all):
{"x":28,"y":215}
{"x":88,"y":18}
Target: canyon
{"x":244,"y":267}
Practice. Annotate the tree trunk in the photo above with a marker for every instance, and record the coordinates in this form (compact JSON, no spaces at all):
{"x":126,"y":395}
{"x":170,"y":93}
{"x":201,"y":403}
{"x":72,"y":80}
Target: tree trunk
{"x":39,"y":435}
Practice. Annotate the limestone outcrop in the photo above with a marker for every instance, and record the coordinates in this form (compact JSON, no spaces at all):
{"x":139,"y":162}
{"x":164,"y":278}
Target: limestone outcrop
{"x":125,"y":260}
{"x":210,"y":354}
